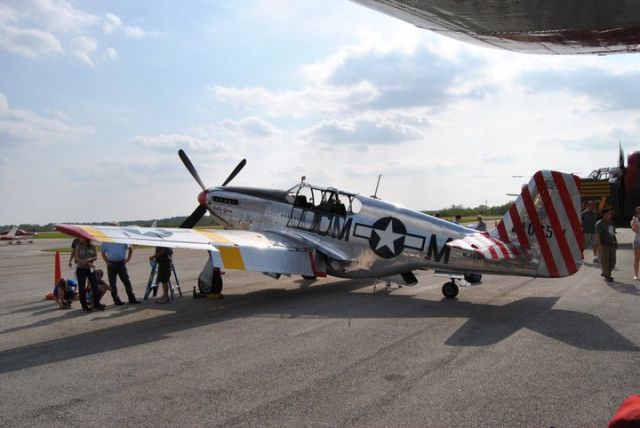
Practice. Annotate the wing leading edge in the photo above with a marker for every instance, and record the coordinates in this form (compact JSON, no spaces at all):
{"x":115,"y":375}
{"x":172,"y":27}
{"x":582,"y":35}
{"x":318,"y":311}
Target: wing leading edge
{"x":231,"y":249}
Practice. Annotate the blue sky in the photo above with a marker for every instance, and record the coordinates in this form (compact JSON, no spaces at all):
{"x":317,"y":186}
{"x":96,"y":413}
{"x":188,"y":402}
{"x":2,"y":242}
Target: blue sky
{"x":96,"y":98}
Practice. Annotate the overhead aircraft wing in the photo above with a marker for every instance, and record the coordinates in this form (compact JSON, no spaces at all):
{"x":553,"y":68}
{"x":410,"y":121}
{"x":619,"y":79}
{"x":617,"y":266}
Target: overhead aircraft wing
{"x":231,"y":249}
{"x":532,"y":26}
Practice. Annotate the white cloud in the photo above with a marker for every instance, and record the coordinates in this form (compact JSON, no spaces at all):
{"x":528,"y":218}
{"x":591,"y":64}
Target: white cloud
{"x":24,"y":126}
{"x":172,"y":142}
{"x":110,"y":23}
{"x":4,"y":103}
{"x":223,"y":137}
{"x":252,"y":127}
{"x":111,"y":54}
{"x":311,"y":100}
{"x":58,"y":16}
{"x":84,"y":48}
{"x":363,"y":131}
{"x":29,"y":42}
{"x":38,"y":28}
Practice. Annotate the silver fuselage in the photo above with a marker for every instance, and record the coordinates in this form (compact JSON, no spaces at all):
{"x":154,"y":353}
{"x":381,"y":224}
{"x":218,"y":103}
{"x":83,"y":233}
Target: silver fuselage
{"x":369,"y":238}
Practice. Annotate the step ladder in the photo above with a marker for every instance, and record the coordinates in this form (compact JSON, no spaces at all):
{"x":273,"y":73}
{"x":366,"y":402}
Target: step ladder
{"x":153,"y":287}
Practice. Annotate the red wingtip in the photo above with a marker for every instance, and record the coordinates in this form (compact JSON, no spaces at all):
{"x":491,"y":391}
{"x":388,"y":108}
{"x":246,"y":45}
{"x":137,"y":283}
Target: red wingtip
{"x":73,"y":230}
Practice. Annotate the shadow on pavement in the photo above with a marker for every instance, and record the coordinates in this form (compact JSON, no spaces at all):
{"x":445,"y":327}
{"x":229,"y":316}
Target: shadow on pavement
{"x":486,"y":324}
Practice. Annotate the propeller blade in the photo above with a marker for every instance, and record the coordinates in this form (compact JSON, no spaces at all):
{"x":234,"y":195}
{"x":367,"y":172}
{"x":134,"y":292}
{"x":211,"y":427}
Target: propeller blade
{"x":194,"y":218}
{"x":187,"y":163}
{"x":235,"y":172}
{"x":620,"y":156}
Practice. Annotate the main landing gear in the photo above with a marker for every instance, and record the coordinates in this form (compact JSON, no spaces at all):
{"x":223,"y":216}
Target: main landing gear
{"x":211,"y":287}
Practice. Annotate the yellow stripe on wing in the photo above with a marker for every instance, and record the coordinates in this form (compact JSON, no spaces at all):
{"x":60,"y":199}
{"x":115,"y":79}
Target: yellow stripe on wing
{"x":231,"y":258}
{"x":214,"y":237}
{"x":97,"y":234}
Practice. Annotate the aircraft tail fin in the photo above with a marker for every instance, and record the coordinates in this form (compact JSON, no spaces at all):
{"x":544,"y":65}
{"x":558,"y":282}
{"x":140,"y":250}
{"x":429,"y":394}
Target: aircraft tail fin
{"x":544,"y":222}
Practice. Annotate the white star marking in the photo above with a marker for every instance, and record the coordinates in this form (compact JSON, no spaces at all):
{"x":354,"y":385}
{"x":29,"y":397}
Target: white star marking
{"x":387,"y":237}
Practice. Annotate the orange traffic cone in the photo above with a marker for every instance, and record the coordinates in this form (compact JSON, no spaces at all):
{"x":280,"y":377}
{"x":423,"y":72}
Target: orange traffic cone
{"x":57,"y":274}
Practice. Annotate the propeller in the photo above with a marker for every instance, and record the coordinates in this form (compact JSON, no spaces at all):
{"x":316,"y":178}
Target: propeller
{"x":235,"y":172}
{"x":201,"y":209}
{"x":187,"y":163}
{"x":194,"y":218}
{"x":620,"y":156}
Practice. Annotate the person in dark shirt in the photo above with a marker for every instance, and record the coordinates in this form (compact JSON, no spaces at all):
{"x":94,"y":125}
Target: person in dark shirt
{"x":164,"y":259}
{"x":589,"y":217}
{"x":607,"y":243}
{"x":85,"y":256}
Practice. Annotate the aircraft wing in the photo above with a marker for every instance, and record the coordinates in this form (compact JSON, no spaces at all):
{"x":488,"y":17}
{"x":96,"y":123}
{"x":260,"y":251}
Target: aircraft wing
{"x":531,"y":26}
{"x":487,"y":246}
{"x":231,"y":249}
{"x":312,"y":240}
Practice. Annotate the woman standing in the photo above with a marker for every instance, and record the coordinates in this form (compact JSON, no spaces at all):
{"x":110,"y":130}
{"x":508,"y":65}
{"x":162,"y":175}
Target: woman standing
{"x":635,"y":226}
{"x":85,"y":255}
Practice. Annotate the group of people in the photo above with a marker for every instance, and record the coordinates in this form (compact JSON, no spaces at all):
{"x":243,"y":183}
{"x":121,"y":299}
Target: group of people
{"x":116,"y":256}
{"x":600,"y":235}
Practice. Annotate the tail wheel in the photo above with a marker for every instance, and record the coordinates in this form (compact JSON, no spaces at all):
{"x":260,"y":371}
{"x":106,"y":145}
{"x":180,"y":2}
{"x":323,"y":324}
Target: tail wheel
{"x":450,"y":290}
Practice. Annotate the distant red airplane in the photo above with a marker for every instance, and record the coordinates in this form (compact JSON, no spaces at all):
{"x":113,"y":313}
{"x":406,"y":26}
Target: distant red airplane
{"x":16,"y":236}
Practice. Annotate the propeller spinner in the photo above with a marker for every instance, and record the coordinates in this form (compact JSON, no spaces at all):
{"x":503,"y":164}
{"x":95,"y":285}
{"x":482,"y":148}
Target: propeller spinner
{"x":201,"y":209}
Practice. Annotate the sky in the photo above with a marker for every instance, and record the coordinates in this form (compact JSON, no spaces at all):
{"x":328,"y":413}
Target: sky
{"x":97,"y":97}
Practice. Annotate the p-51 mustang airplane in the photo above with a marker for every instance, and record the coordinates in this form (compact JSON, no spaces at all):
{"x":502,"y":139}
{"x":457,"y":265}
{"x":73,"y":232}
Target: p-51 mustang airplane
{"x":16,"y":236}
{"x":317,"y":231}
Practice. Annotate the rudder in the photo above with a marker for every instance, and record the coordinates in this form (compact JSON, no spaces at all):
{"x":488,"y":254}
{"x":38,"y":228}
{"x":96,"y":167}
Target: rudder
{"x":544,"y":222}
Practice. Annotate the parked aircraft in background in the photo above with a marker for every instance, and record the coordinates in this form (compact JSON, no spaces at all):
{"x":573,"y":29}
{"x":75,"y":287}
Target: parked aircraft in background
{"x":17,"y":236}
{"x":617,"y":188}
{"x":532,"y":26}
{"x":316,"y":231}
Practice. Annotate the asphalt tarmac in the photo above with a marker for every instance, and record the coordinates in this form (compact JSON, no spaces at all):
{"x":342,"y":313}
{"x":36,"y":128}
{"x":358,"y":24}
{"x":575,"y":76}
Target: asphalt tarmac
{"x":509,"y":352}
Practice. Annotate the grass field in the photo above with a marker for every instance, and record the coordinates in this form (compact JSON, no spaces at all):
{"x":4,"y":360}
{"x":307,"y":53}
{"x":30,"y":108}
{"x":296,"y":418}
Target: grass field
{"x":61,"y":250}
{"x":51,"y":235}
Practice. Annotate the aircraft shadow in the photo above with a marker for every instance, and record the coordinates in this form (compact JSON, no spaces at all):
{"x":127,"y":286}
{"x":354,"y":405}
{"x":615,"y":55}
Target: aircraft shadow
{"x":486,"y":324}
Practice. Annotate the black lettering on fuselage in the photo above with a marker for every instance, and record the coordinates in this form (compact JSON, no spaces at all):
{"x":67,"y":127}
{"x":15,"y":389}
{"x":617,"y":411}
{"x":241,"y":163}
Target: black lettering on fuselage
{"x":437,"y":255}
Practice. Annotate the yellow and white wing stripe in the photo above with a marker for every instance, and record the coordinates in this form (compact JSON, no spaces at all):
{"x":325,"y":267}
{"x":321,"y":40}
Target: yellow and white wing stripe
{"x":231,"y":249}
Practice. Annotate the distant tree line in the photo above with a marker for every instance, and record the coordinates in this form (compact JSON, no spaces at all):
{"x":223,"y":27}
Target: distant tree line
{"x":483,"y":210}
{"x":206,"y":221}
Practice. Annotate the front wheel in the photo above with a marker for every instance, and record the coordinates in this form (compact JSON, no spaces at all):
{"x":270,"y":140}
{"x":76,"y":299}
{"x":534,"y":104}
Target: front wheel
{"x":450,"y":290}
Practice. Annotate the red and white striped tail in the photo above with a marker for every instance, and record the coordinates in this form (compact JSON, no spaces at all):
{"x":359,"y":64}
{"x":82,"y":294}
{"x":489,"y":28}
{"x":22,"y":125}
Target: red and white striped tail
{"x":544,"y":222}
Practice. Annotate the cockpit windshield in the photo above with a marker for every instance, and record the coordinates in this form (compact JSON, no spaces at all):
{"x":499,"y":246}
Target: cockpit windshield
{"x":325,"y":199}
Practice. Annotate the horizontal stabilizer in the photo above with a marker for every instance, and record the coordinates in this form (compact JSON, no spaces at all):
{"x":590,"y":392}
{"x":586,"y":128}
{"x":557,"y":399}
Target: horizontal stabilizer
{"x":487,"y":246}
